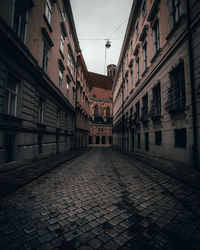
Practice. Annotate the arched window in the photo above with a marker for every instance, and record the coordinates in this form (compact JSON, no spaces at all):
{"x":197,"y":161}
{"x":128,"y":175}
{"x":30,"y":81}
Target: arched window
{"x":110,"y":140}
{"x":103,"y":140}
{"x":96,"y":111}
{"x":108,"y":111}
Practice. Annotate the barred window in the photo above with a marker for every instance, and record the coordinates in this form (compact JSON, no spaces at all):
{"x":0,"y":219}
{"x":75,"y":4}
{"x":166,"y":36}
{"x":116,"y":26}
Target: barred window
{"x":176,"y":96}
{"x":156,"y":101}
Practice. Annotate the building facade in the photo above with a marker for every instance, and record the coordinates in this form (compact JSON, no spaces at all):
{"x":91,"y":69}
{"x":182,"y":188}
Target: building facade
{"x":38,"y":67}
{"x":83,"y":107}
{"x":156,"y":98}
{"x":101,"y":105}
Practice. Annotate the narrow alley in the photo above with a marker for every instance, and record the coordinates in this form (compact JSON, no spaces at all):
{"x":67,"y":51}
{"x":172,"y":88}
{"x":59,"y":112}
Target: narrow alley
{"x":112,"y":202}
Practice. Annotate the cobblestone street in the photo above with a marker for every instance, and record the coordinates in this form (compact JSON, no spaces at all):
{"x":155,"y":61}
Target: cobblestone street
{"x":102,"y":200}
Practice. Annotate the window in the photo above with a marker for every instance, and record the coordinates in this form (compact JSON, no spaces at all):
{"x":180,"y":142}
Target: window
{"x":108,"y":111}
{"x":156,"y":102}
{"x":20,"y":20}
{"x":58,"y":119}
{"x":11,"y":94}
{"x":60,"y":78}
{"x":144,"y":116}
{"x":62,"y":42}
{"x":137,"y":113}
{"x":70,"y":65}
{"x":45,"y":58}
{"x":138,"y":69}
{"x":48,"y":10}
{"x":131,"y":80}
{"x":156,"y":36}
{"x":96,"y":112}
{"x":145,"y":55}
{"x":146,"y":137}
{"x":158,"y":137}
{"x":41,"y":111}
{"x":176,"y":10}
{"x":138,"y":141}
{"x":144,"y":9}
{"x":180,"y":138}
{"x":9,"y":147}
{"x":176,"y":96}
{"x":39,"y":144}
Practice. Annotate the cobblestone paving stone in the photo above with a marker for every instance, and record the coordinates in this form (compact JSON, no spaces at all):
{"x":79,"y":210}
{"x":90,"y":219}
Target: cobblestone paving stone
{"x":102,"y":200}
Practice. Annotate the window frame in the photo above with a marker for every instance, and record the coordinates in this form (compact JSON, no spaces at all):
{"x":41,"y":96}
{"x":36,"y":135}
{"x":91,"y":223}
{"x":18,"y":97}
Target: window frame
{"x":11,"y":93}
{"x":48,"y":10}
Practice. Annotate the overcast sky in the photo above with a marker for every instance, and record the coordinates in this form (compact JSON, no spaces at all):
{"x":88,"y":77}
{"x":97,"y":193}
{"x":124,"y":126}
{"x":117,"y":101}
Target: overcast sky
{"x":97,"y":20}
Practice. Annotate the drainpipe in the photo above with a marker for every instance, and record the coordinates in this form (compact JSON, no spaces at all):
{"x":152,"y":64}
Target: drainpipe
{"x":194,"y":112}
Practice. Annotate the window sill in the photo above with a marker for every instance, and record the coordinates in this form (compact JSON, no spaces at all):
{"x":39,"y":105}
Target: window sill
{"x":156,"y":55}
{"x":47,"y":23}
{"x":175,"y":27}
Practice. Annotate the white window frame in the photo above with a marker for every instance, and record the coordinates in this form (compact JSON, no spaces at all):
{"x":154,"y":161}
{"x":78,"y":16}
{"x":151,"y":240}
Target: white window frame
{"x":60,"y":78}
{"x":48,"y":10}
{"x":62,"y":42}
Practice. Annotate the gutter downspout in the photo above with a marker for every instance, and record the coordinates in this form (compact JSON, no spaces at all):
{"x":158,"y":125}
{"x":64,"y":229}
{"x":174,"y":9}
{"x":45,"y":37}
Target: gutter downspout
{"x":194,"y":112}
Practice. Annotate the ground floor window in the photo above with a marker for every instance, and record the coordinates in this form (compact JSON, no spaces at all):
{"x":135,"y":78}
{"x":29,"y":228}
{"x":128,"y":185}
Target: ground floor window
{"x":110,"y":140}
{"x":180,"y":138}
{"x":103,"y":140}
{"x":39,"y":144}
{"x":158,"y":137}
{"x":9,"y":147}
{"x":146,"y":141}
{"x":138,"y":140}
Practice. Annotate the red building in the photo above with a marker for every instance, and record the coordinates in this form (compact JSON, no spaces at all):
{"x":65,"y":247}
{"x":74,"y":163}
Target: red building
{"x":101,"y":102}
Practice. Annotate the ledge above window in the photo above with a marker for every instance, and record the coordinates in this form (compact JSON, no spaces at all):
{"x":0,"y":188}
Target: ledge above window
{"x":47,"y":37}
{"x":60,"y":62}
{"x":47,"y":23}
{"x":136,"y":50}
{"x":63,"y":27}
{"x":143,"y":33}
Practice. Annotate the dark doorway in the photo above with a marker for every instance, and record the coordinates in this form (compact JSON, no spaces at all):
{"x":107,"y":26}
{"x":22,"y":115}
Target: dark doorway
{"x":97,"y":140}
{"x":133,"y":138}
{"x":39,"y":144}
{"x":103,"y":140}
{"x":57,"y":144}
{"x":110,"y":140}
{"x":9,"y":147}
{"x":90,"y":139}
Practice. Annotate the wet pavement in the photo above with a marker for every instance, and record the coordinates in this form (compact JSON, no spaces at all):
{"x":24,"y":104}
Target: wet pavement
{"x":102,"y":200}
